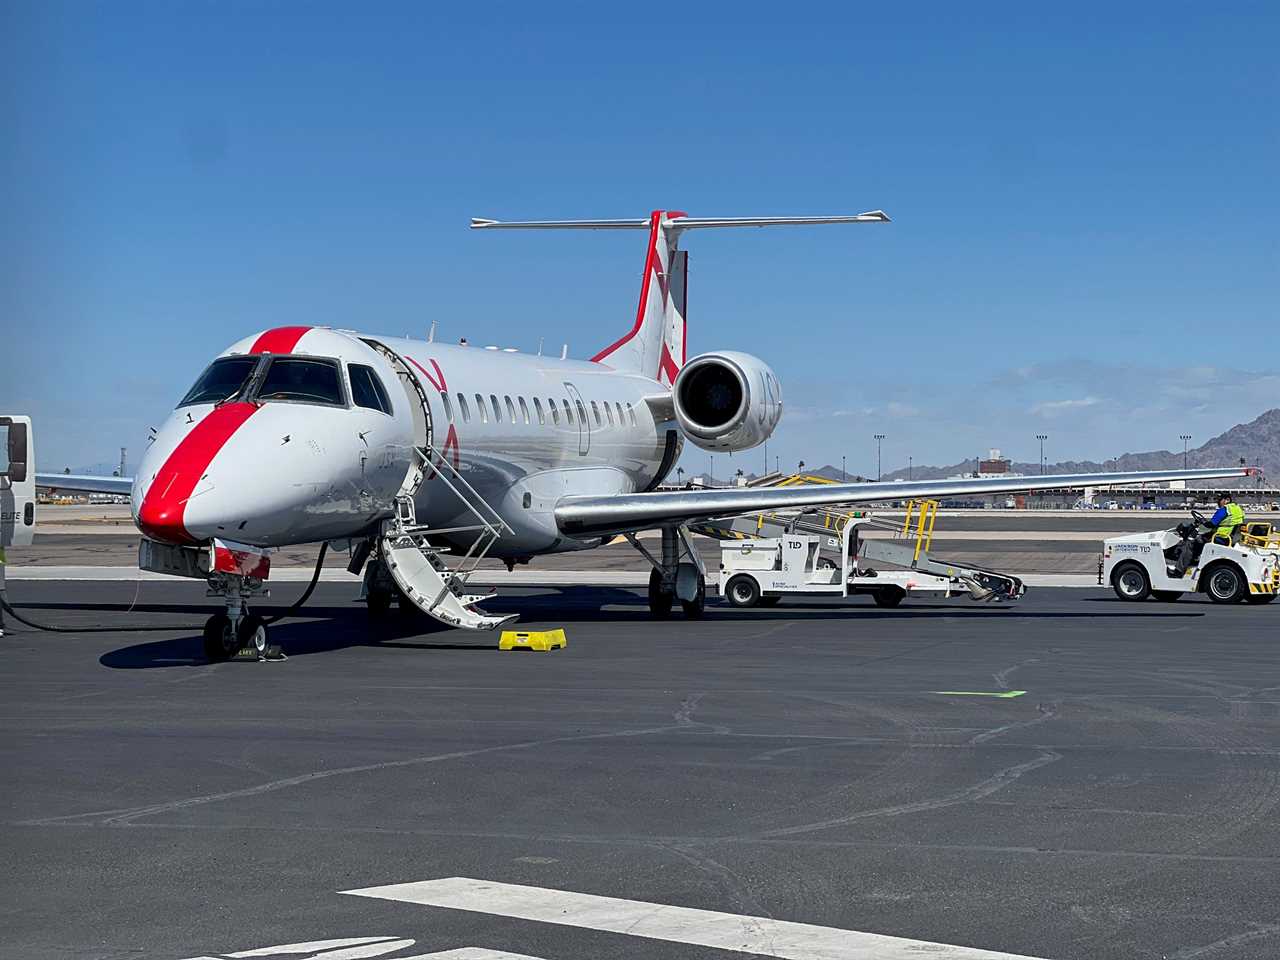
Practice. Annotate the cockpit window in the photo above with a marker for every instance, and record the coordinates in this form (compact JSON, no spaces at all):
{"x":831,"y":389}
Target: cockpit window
{"x":222,"y":380}
{"x":367,"y":389}
{"x":302,"y":380}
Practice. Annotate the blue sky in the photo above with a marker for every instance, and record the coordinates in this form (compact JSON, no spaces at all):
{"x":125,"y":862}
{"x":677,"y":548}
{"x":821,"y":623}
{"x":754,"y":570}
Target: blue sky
{"x":1084,"y":199}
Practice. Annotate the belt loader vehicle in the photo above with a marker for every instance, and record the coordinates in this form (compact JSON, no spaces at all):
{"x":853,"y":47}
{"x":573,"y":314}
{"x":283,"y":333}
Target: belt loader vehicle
{"x":827,"y":556}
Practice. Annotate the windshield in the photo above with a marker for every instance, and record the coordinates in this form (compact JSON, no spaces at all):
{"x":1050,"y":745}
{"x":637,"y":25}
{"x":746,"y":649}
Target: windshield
{"x":222,"y":380}
{"x":308,"y":381}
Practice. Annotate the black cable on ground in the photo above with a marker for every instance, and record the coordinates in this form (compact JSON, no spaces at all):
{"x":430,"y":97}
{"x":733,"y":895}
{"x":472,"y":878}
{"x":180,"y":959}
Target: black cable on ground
{"x":297,"y":604}
{"x":8,"y":608}
{"x":49,"y":628}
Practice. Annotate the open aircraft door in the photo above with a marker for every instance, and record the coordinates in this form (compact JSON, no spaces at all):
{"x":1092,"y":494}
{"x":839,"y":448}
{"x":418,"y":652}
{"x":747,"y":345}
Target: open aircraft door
{"x":17,"y":482}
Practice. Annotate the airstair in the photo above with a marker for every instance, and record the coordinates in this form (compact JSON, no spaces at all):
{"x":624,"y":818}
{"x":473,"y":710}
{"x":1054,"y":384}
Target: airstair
{"x":907,"y":547}
{"x":415,"y":563}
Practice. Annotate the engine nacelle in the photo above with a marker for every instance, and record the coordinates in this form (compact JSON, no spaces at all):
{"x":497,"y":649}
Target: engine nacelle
{"x":727,"y":401}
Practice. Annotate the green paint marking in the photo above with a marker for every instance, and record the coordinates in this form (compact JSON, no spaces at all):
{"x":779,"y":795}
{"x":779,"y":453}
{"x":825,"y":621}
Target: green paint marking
{"x":1001,"y":694}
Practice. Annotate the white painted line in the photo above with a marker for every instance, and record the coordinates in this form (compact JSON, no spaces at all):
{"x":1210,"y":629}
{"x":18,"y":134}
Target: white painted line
{"x":333,"y":950}
{"x":470,"y":953}
{"x":359,"y":948}
{"x":657,"y":921}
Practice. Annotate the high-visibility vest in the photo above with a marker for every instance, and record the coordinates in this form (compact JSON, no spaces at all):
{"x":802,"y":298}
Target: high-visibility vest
{"x":1233,"y":519}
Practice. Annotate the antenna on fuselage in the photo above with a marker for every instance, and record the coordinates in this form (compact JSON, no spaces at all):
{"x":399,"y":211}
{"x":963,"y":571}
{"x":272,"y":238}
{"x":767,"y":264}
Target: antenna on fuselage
{"x":431,"y":334}
{"x":564,"y":352}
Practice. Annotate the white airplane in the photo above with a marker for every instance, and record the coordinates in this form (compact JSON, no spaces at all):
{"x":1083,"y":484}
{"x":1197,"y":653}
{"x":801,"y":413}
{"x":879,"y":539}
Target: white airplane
{"x":418,"y":453}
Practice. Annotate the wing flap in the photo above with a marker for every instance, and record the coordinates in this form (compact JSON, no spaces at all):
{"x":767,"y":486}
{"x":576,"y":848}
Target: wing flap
{"x":597,"y":516}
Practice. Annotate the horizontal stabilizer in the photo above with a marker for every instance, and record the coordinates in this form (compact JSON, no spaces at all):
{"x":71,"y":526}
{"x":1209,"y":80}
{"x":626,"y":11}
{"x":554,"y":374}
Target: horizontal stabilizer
{"x":675,"y":222}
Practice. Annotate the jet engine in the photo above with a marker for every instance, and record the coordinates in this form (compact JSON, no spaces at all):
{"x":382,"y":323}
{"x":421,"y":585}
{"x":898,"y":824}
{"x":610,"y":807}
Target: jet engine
{"x":727,"y":401}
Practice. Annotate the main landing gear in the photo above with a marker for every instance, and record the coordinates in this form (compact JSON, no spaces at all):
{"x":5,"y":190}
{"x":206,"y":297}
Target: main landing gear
{"x":679,"y":575}
{"x":226,"y":634}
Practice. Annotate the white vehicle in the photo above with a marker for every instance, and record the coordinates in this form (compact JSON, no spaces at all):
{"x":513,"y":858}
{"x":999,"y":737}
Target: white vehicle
{"x":762,"y":570}
{"x":424,"y":457}
{"x":1165,"y":564}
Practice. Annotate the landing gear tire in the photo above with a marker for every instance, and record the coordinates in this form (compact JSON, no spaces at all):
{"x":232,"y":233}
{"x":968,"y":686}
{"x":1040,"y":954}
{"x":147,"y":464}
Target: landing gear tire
{"x":889,"y":596}
{"x":693,"y":609}
{"x":252,"y":634}
{"x":1261,"y":597}
{"x":742,"y":591}
{"x":1130,"y":582}
{"x":1226,"y":584}
{"x":1166,"y":596}
{"x":660,"y":600}
{"x":220,"y":641}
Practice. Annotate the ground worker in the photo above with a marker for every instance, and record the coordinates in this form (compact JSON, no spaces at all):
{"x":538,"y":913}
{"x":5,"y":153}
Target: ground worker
{"x":1228,"y":520}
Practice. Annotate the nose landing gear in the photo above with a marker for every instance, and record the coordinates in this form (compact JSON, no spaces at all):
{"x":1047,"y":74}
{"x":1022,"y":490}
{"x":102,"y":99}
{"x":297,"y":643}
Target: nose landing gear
{"x":237,"y":632}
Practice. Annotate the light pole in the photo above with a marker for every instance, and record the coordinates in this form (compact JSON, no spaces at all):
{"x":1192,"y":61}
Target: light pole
{"x":843,"y":476}
{"x":1042,"y":437}
{"x":878,"y":438}
{"x":1184,"y":437}
{"x":910,"y":461}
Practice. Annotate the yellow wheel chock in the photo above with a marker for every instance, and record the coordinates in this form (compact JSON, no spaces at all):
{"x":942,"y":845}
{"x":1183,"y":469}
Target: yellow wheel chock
{"x":532,"y":640}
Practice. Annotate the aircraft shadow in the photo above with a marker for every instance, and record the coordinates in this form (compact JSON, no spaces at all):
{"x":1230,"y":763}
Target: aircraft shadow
{"x":326,"y":629}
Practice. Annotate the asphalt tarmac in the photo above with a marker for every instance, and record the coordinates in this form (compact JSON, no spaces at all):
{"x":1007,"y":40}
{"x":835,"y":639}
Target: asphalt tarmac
{"x":797,"y":763}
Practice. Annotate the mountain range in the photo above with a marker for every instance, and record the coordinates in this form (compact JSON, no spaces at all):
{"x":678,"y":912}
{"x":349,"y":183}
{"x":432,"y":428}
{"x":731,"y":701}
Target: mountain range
{"x":1256,"y":443}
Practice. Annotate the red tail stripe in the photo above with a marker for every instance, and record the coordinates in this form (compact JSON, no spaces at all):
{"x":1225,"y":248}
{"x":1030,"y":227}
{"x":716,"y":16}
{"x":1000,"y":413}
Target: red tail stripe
{"x":279,"y":340}
{"x":163,"y":509}
{"x":650,"y":268}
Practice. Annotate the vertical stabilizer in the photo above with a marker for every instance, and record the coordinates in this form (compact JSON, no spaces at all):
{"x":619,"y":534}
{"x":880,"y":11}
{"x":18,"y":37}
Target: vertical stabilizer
{"x":655,"y":345}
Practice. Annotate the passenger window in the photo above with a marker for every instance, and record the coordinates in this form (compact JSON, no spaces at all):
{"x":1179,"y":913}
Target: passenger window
{"x":555,"y":412}
{"x":608,"y":413}
{"x":448,"y":407}
{"x":568,"y":414}
{"x":537,"y":408}
{"x":595,"y":410}
{"x":302,"y":381}
{"x":631,"y":414}
{"x":497,"y":411}
{"x":511,"y":410}
{"x":582,"y":414}
{"x":221,"y":380}
{"x":367,"y":389}
{"x":618,"y":406}
{"x":524,"y":409}
{"x":462,"y":407}
{"x":484,"y":414}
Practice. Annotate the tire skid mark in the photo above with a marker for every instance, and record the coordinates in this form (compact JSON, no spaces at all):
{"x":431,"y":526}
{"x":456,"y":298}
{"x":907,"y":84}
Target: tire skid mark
{"x":127,"y":816}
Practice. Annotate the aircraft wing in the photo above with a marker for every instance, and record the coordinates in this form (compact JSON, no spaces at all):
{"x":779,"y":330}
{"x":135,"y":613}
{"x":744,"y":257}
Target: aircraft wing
{"x":81,"y":483}
{"x":585,"y":517}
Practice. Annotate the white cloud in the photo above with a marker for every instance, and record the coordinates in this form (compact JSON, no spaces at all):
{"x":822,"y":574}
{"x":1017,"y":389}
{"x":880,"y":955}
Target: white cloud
{"x":1052,"y":408}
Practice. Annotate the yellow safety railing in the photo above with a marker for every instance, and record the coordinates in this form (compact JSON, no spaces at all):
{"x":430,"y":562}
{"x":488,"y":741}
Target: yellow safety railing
{"x":1262,"y":535}
{"x":924,"y":512}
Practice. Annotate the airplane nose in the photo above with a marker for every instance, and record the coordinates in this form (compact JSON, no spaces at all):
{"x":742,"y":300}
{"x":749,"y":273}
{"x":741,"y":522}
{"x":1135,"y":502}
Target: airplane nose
{"x":162,"y":513}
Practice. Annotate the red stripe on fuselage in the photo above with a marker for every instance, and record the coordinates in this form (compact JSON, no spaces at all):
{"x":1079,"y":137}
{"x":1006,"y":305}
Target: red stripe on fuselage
{"x":161,"y":516}
{"x":440,"y":384}
{"x":279,"y":340}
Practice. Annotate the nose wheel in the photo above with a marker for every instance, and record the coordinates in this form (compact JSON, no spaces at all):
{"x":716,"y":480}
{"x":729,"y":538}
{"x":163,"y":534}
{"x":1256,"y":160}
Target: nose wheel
{"x":234,"y":630}
{"x":220,"y":642}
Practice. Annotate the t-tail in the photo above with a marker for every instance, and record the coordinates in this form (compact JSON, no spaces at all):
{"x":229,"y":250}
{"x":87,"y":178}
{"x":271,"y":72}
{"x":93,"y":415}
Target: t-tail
{"x":656,"y":345}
